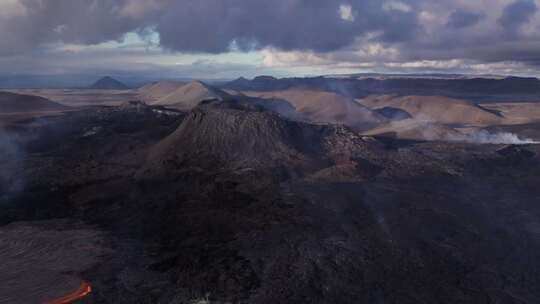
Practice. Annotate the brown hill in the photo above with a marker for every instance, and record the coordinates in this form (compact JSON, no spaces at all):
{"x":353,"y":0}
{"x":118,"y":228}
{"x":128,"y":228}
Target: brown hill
{"x":516,"y":112}
{"x":327,"y":107}
{"x":184,"y":96}
{"x":190,"y":95}
{"x":152,"y":92}
{"x":18,"y":103}
{"x":435,"y":108}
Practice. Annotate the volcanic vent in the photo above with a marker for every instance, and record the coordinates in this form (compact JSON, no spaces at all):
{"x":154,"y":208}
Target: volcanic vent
{"x":217,"y":136}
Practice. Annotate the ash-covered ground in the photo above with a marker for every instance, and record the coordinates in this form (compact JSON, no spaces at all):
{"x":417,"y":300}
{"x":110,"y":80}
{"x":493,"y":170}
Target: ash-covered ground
{"x":229,"y":203}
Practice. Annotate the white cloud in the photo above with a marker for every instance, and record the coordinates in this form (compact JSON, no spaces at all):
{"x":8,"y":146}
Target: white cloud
{"x":428,"y":64}
{"x":346,"y":12}
{"x":361,"y":54}
{"x":12,"y":8}
{"x":397,"y":6}
{"x":60,"y":29}
{"x":276,"y":58}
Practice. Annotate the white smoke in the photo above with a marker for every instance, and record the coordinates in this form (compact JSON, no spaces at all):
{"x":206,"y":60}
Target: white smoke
{"x":431,"y":130}
{"x":427,"y":129}
{"x":486,"y":137}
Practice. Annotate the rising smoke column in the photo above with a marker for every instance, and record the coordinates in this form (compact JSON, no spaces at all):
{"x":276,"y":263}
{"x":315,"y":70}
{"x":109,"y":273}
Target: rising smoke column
{"x":485,"y":137}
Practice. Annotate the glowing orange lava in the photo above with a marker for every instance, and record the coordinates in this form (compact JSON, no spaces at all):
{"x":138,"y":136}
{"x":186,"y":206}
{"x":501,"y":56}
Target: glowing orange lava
{"x":76,"y":295}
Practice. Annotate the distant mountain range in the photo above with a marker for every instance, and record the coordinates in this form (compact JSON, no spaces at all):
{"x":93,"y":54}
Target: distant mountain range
{"x":415,"y":76}
{"x":475,"y":89}
{"x":59,"y":81}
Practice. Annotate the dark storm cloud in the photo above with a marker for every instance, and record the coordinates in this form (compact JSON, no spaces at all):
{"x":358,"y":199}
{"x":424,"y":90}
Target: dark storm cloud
{"x":208,"y":25}
{"x":68,"y":21}
{"x":517,"y":14}
{"x":461,"y":19}
{"x":377,"y":30}
{"x":211,"y":25}
{"x":403,"y":26}
{"x":81,"y":21}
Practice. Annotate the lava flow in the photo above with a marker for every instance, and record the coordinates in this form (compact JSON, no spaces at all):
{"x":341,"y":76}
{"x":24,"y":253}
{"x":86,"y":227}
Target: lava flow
{"x":76,"y":295}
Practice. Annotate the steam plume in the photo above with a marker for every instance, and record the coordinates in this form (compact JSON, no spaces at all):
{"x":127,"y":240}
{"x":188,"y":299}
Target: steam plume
{"x":485,"y":137}
{"x":429,"y":130}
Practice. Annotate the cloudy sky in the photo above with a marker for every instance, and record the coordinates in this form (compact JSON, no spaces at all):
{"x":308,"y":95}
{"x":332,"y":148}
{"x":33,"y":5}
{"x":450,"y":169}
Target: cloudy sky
{"x":231,"y":38}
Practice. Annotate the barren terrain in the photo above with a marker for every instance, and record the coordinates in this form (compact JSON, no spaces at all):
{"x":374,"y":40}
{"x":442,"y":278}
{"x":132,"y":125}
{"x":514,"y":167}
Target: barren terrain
{"x":82,"y":97}
{"x":232,"y":201}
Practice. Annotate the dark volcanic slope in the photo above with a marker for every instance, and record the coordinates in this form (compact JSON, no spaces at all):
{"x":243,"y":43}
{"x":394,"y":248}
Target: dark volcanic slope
{"x":17,"y":103}
{"x":242,"y":206}
{"x":37,"y":259}
{"x":234,"y":138}
{"x":238,"y":139}
{"x":108,"y":83}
